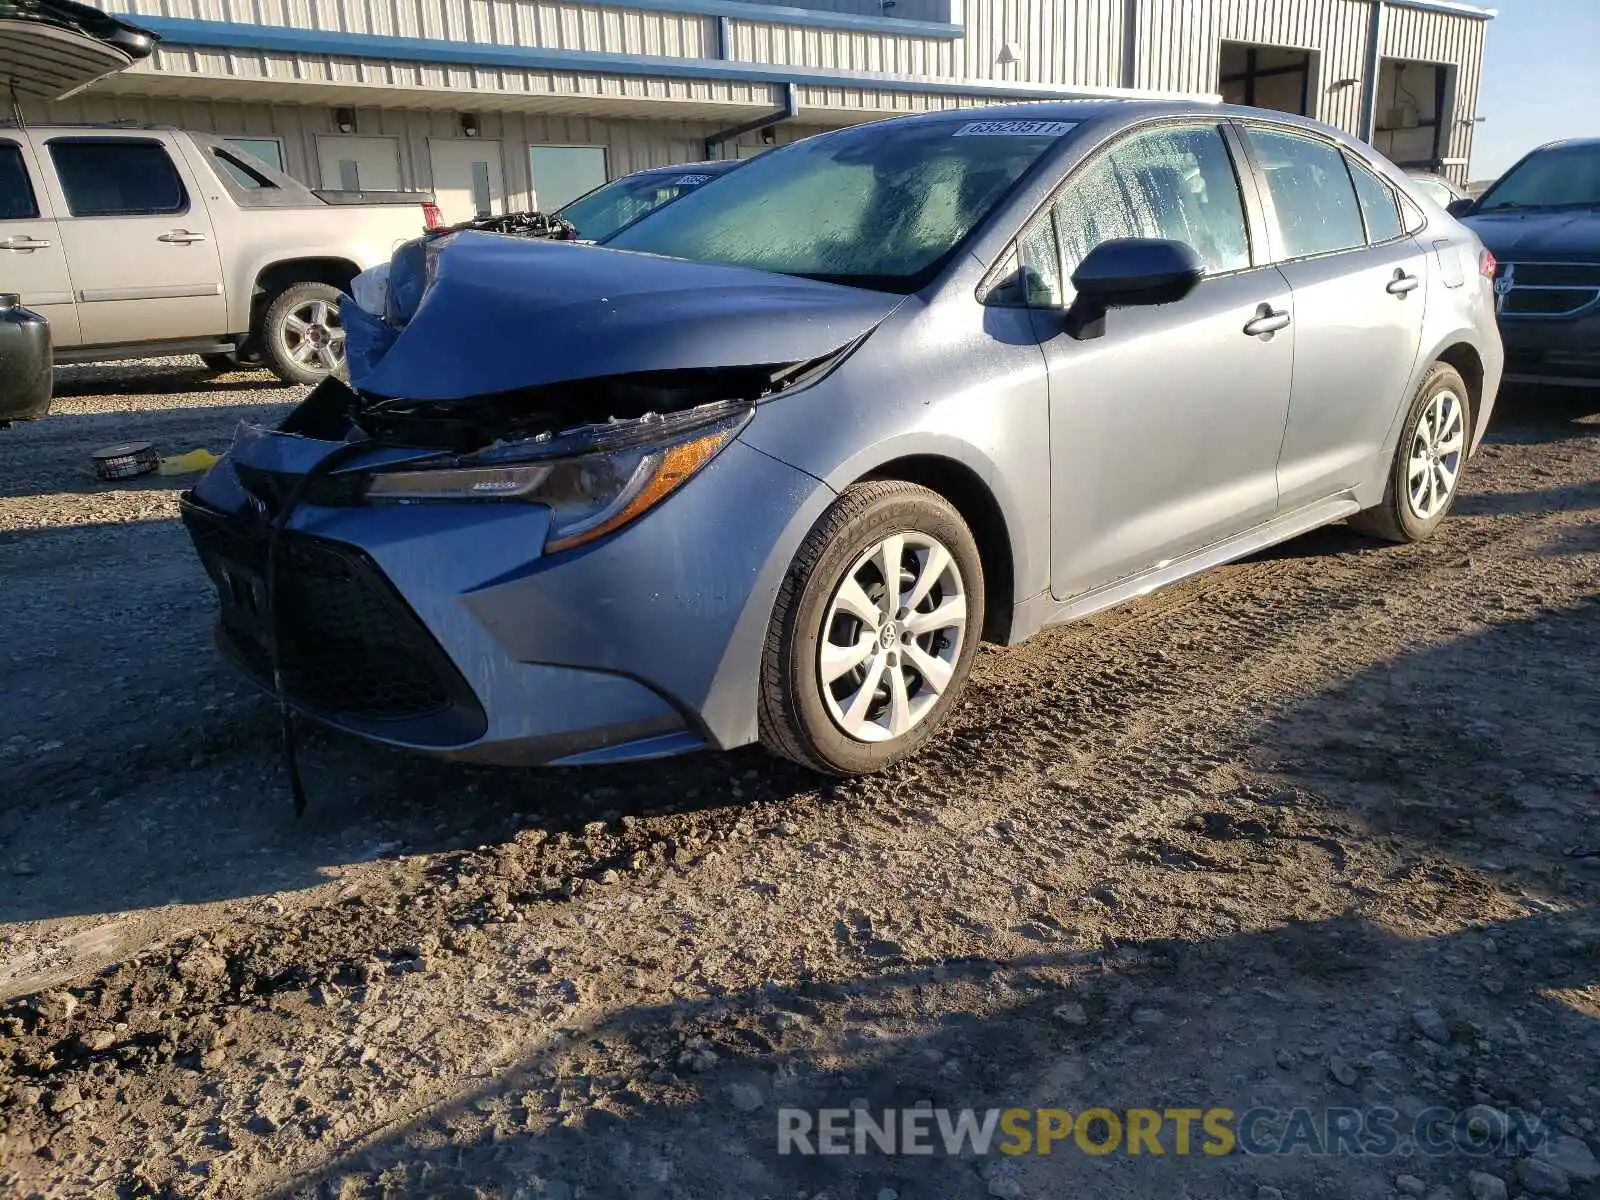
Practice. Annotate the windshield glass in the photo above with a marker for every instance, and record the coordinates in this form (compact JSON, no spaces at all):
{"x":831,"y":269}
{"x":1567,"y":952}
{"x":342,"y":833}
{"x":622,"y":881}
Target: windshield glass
{"x":602,"y":212}
{"x":877,"y":206}
{"x":1557,"y":178}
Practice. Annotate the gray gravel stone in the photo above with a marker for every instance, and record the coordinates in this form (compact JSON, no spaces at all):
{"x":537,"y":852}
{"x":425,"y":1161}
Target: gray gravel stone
{"x":1542,"y":1179}
{"x":1431,"y":1025}
{"x":1481,"y":1186}
{"x":1572,"y":1157}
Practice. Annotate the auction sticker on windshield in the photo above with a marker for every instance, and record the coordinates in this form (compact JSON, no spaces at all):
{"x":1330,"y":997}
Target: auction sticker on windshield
{"x":1015,"y":128}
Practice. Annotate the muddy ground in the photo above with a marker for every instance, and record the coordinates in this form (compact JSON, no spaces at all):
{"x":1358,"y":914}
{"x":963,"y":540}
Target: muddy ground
{"x":1307,"y":832}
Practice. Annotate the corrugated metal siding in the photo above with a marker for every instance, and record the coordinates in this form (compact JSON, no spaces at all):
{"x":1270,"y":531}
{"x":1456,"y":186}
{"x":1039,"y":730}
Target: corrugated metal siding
{"x":311,"y":69}
{"x":562,"y":26}
{"x":1059,"y":41}
{"x":906,"y":10}
{"x":1417,"y":35}
{"x":843,"y":49}
{"x":630,"y":145}
{"x":1179,"y":45}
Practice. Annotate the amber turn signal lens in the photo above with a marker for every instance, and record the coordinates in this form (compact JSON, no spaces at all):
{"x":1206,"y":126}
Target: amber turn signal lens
{"x":676,"y":465}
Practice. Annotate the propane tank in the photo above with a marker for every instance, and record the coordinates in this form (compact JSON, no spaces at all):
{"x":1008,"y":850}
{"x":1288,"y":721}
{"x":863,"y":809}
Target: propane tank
{"x":25,"y":362}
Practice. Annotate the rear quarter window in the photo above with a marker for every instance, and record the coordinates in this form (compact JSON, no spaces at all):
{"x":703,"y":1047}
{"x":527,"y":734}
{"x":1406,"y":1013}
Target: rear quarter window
{"x":1379,"y":205}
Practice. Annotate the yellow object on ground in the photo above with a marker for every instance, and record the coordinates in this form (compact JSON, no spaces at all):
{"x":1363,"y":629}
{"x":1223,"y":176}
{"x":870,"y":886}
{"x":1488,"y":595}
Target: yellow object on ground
{"x":188,"y":464}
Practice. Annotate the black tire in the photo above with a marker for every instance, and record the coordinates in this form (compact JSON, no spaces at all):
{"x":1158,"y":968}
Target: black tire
{"x":280,"y":343}
{"x":795,"y":720}
{"x":1398,"y":518}
{"x":220,"y":364}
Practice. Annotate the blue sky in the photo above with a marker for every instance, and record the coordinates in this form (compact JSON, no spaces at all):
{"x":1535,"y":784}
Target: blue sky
{"x":1541,"y":79}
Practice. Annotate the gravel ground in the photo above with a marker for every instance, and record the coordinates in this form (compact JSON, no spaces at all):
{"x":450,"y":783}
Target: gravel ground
{"x":1306,"y":832}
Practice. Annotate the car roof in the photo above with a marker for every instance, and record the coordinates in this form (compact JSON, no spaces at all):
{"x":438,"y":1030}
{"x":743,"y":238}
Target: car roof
{"x":715,"y":166}
{"x":1110,"y":111}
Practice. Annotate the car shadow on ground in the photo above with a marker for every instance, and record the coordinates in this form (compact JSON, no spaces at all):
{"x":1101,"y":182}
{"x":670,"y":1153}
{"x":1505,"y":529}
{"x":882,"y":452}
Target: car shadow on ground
{"x":157,"y":378}
{"x":683,"y":1099}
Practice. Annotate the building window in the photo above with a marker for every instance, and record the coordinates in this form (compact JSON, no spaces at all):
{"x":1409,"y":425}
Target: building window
{"x":1275,"y":77}
{"x":117,"y":177}
{"x":563,"y":173}
{"x":268,"y":149}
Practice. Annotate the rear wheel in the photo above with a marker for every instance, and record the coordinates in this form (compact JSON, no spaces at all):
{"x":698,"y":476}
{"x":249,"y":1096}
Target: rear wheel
{"x":302,"y":337}
{"x":874,"y":632}
{"x":1425,"y":476}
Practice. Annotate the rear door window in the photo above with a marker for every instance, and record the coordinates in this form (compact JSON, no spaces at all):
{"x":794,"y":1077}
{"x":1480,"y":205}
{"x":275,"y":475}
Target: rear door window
{"x":117,"y":177}
{"x":1378,"y":204}
{"x":1310,"y":187}
{"x":17,"y":201}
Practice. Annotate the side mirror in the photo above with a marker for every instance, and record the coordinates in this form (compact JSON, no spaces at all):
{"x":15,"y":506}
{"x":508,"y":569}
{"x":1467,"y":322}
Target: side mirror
{"x":1461,"y":208}
{"x":1130,"y":273}
{"x":25,"y":366}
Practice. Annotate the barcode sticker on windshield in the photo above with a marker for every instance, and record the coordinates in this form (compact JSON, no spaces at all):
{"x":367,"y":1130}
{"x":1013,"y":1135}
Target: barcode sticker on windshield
{"x":691,"y":180}
{"x":1014,"y":128}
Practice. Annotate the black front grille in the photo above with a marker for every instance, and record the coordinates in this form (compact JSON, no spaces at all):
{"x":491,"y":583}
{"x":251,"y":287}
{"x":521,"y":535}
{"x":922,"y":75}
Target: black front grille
{"x":1550,"y":301}
{"x":1573,"y":275}
{"x":351,"y":647}
{"x":1546,"y":289}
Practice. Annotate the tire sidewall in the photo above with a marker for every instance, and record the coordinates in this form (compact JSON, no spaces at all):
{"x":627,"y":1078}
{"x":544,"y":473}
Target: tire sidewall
{"x":919,"y":511}
{"x":275,"y":345}
{"x":1441,"y":378}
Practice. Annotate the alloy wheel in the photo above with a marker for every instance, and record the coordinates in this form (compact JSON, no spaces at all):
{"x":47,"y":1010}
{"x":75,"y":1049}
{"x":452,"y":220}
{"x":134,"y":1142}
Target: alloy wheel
{"x":315,"y":335}
{"x":1437,"y":447}
{"x":892,"y":636}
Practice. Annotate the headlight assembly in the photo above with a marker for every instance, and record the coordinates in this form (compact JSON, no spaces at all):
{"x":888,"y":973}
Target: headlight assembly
{"x":589,"y":494}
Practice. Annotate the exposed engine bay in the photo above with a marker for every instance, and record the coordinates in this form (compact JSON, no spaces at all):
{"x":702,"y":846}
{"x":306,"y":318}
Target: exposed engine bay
{"x":599,"y":411}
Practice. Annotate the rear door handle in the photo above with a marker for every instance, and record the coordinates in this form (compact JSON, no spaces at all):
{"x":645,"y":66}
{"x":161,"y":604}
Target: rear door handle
{"x":1268,"y":320}
{"x":1403,"y":284}
{"x":24,"y":243}
{"x":181,"y":237}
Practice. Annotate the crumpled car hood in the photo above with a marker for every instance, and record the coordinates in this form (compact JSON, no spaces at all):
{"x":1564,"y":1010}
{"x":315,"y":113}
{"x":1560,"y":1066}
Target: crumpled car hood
{"x":505,"y":314}
{"x":1569,"y":235}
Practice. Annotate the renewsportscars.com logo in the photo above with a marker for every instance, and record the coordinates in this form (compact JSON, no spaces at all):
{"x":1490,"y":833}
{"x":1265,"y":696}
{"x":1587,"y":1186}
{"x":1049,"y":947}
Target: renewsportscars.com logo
{"x":1479,"y":1131}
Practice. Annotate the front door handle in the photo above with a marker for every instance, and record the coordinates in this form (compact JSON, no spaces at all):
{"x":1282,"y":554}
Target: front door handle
{"x":1403,"y":284}
{"x":1268,"y":321}
{"x":24,"y":244}
{"x":181,"y":237}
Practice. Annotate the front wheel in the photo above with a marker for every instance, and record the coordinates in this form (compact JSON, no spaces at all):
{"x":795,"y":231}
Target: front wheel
{"x":874,"y":631}
{"x":302,"y":338}
{"x":1425,"y":476}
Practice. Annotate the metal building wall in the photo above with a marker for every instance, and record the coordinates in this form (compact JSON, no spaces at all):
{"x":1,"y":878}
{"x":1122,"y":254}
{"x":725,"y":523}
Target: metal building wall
{"x":1417,"y":35}
{"x":1179,"y":45}
{"x":630,"y":145}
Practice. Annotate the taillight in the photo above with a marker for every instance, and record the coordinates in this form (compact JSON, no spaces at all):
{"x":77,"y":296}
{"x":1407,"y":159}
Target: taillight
{"x":432,"y":218}
{"x":1487,"y":266}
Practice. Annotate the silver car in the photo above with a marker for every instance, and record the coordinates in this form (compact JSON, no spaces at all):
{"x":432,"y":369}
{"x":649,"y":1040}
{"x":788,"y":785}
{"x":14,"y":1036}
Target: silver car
{"x":770,"y":463}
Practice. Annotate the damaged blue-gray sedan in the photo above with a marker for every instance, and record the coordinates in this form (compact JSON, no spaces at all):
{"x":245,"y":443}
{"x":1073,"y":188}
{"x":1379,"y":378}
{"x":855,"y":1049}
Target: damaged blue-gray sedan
{"x":772,"y":461}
